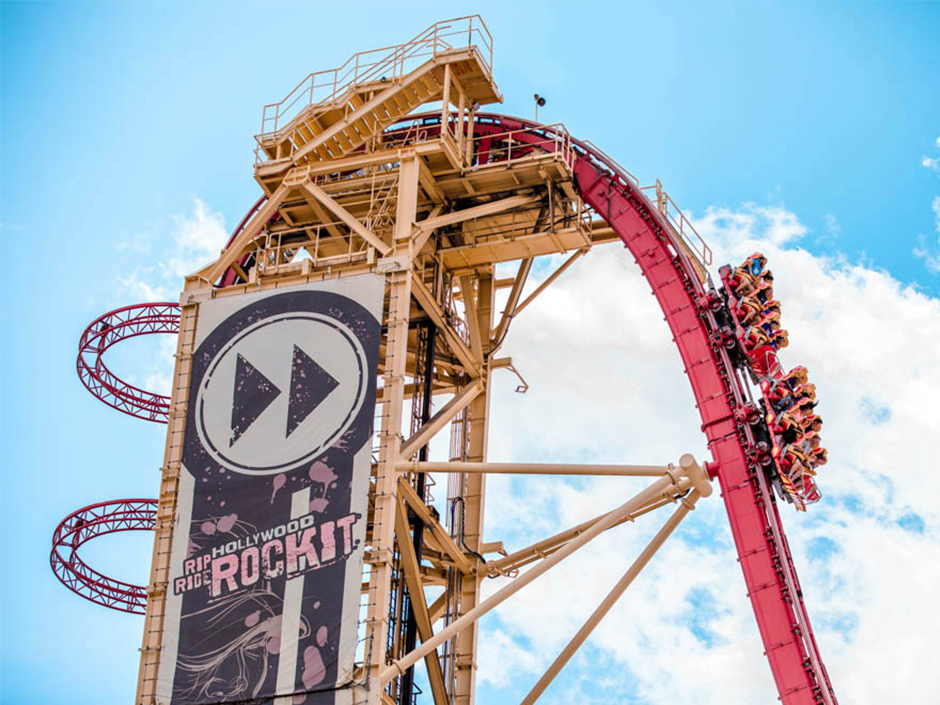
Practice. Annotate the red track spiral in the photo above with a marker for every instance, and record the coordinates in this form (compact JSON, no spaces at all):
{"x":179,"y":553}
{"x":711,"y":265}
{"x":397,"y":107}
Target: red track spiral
{"x":81,"y":526}
{"x":111,"y":328}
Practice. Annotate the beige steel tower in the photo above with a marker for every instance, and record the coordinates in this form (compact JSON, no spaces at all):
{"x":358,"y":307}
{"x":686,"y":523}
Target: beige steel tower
{"x":359,"y":178}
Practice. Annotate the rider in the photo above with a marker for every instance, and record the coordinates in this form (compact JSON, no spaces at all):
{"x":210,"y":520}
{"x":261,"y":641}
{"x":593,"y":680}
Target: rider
{"x":754,"y":303}
{"x":788,"y":428}
{"x":796,"y":377}
{"x":819,"y":456}
{"x":746,"y":276}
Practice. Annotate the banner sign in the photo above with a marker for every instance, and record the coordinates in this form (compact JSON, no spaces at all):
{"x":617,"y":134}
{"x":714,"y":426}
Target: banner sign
{"x":263,"y":600}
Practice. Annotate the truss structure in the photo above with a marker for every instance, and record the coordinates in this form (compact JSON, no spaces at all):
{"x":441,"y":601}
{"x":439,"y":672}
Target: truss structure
{"x":111,"y":328}
{"x":80,"y":527}
{"x":356,"y":178}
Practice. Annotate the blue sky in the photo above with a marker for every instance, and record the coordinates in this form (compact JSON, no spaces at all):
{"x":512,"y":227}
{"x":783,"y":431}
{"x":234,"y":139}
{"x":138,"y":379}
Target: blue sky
{"x":116,"y":117}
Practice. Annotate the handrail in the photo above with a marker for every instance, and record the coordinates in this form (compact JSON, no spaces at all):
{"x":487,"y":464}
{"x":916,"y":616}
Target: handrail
{"x":677,"y":219}
{"x":680,"y":225}
{"x":386,"y":63}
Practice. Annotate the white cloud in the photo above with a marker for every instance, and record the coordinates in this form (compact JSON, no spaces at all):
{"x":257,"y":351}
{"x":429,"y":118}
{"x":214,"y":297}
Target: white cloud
{"x":932,"y":163}
{"x":833,"y":229}
{"x":193,"y":241}
{"x":159,"y":378}
{"x":778,"y":225}
{"x":197,"y":240}
{"x":607,"y":386}
{"x":140,"y":286}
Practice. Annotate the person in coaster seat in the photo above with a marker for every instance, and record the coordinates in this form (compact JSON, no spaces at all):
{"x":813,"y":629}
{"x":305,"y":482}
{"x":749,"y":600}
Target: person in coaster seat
{"x":805,"y":391}
{"x":812,"y":423}
{"x":819,"y":456}
{"x":787,"y":428}
{"x":793,"y":461}
{"x":809,"y":441}
{"x":752,"y":309}
{"x":796,"y":377}
{"x":753,"y":303}
{"x":770,"y":321}
{"x":746,"y":276}
{"x":756,"y":337}
{"x":781,"y":397}
{"x":806,"y":406}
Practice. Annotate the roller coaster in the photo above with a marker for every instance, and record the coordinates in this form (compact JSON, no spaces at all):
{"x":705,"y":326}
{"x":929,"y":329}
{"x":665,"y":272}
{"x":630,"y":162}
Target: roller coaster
{"x":359,"y":177}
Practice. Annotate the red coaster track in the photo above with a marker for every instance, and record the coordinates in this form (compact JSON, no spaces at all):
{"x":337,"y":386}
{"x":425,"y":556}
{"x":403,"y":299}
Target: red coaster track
{"x":111,"y":328}
{"x":721,"y":396}
{"x":81,"y":526}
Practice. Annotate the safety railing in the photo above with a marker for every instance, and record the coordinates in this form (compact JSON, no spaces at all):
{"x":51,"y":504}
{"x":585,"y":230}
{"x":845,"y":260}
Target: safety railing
{"x":664,"y":204}
{"x":526,"y":142}
{"x":682,"y":226}
{"x":387,"y":63}
{"x":610,"y":162}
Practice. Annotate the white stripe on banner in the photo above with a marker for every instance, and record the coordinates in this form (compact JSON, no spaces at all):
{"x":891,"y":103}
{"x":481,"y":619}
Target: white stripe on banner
{"x":290,"y":616}
{"x":166,"y":671}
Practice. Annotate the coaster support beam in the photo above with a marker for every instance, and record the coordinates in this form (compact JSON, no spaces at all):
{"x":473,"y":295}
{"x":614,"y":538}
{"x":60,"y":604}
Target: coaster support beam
{"x":397,"y":318}
{"x":419,"y":605}
{"x":664,"y":486}
{"x":686,"y":505}
{"x":535,"y":469}
{"x":418,"y":506}
{"x":348,"y":218}
{"x":549,"y":280}
{"x":437,"y":422}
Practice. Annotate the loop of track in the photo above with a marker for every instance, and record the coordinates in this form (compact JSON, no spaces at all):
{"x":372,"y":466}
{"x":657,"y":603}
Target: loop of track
{"x":87,"y":523}
{"x":111,"y":328}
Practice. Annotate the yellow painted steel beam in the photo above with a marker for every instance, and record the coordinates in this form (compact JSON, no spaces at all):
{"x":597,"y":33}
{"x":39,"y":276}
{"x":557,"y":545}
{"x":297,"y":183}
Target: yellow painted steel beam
{"x":235,"y":250}
{"x":407,"y":493}
{"x":473,"y":323}
{"x":344,"y":215}
{"x":512,"y":303}
{"x":685,"y":506}
{"x":662,"y":486}
{"x":480,"y":211}
{"x":471,"y":363}
{"x":437,"y":422}
{"x":535,"y":468}
{"x":549,"y":280}
{"x":419,"y":605}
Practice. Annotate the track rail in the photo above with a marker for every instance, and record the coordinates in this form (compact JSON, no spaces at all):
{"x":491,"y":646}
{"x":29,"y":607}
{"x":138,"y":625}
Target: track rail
{"x":689,"y":304}
{"x":113,"y":327}
{"x":720,"y":395}
{"x":87,"y":523}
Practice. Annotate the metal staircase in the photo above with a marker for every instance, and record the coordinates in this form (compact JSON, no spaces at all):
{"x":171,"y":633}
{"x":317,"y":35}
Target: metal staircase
{"x":331,"y":114}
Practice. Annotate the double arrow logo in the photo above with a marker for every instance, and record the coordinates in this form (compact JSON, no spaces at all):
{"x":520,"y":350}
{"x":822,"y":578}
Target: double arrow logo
{"x":253,"y":393}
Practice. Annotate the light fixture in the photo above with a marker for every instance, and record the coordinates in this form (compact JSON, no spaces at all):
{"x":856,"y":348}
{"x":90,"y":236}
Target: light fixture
{"x":539,"y":103}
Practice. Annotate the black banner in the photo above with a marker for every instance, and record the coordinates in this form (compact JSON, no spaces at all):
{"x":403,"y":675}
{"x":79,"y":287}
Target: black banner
{"x":264,"y":583}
